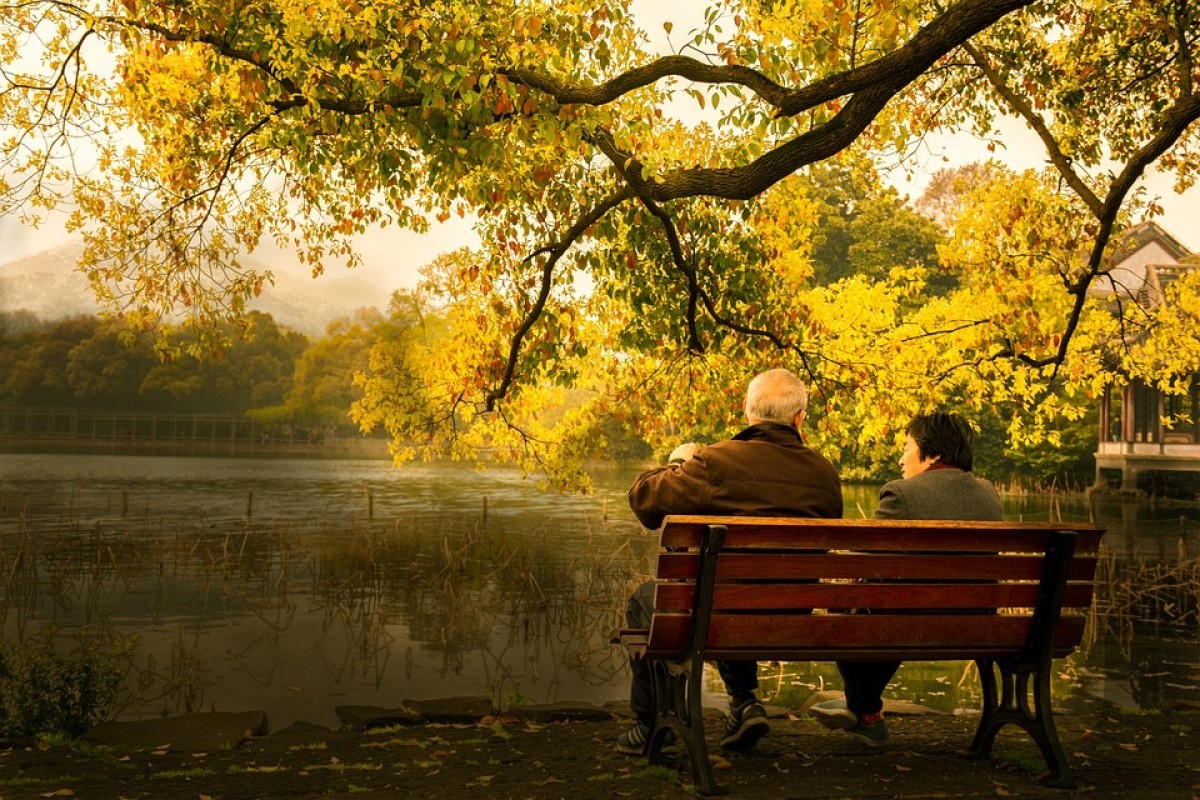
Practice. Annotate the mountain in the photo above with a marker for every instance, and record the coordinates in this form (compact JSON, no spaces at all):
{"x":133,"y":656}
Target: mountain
{"x":50,"y":285}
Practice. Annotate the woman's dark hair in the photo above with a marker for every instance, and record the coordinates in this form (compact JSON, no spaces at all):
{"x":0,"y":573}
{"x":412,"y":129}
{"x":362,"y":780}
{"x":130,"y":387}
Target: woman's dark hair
{"x":947,"y":436}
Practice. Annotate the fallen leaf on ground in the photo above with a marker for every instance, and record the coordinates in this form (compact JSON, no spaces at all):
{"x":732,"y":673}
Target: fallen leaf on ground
{"x":719,"y":762}
{"x":1130,"y":746}
{"x":551,"y":780}
{"x":902,"y":768}
{"x":60,"y":793}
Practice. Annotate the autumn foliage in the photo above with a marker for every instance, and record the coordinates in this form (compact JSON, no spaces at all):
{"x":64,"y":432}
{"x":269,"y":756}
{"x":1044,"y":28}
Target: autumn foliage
{"x":646,"y":257}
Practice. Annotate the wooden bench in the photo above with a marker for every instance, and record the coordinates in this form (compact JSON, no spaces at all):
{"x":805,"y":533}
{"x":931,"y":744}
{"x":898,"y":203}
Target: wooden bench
{"x":1009,"y":596}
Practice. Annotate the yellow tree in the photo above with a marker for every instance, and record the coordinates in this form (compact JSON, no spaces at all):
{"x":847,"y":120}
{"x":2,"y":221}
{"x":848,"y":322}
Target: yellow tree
{"x":622,"y":248}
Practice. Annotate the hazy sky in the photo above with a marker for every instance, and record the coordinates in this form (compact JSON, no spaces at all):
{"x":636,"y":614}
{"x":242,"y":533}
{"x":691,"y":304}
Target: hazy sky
{"x":392,"y":257}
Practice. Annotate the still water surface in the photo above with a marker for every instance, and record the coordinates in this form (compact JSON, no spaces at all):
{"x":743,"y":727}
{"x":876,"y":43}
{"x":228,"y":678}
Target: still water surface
{"x":295,"y":586}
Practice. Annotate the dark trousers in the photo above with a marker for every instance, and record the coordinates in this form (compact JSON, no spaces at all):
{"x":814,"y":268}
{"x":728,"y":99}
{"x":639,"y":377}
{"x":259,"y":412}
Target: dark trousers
{"x":741,"y":677}
{"x":864,"y":682}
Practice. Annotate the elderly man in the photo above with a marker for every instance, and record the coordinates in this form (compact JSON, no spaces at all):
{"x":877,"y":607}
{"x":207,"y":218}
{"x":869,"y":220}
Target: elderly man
{"x":765,"y":470}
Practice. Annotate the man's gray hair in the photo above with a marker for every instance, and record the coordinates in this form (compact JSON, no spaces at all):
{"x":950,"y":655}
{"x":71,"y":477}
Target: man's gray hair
{"x":775,"y":396}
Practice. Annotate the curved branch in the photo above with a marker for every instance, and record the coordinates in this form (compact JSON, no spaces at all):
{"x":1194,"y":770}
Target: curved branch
{"x":1060,"y":160}
{"x":555,"y":252}
{"x":639,"y":77}
{"x":694,"y":343}
{"x":224,"y":174}
{"x":955,"y":25}
{"x":695,"y":291}
{"x":871,"y":86}
{"x":751,"y":180}
{"x":1176,"y":120}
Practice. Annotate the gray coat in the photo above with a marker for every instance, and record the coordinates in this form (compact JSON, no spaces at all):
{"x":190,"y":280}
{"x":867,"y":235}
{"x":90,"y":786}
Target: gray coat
{"x":939,"y":494}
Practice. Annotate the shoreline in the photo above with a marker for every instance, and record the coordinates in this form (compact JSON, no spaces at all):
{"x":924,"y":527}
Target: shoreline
{"x":452,"y":752}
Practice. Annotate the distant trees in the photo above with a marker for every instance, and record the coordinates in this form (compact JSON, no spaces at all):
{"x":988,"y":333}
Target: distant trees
{"x":35,"y":361}
{"x":322,"y":388}
{"x":89,"y":363}
{"x":254,"y":370}
{"x":863,"y":226}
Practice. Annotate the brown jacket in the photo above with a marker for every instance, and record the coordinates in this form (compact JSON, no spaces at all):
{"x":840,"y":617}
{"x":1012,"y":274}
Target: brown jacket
{"x":766,"y":470}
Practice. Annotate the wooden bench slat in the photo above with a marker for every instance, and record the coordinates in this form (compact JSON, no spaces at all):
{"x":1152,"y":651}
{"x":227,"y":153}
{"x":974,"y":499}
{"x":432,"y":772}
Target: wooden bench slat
{"x":803,"y":637}
{"x":747,"y":597}
{"x":822,"y":534}
{"x":842,"y":565}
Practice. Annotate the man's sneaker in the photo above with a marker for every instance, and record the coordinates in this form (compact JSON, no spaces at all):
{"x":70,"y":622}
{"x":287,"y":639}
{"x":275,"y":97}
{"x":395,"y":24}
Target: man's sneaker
{"x":745,"y":725}
{"x":875,"y":734}
{"x":633,"y":741}
{"x":834,"y":714}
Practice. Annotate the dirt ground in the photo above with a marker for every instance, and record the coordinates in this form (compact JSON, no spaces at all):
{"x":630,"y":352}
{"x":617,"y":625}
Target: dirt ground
{"x":1113,"y":755}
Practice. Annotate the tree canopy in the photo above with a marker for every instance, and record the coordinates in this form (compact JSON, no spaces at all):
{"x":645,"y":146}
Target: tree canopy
{"x":652,"y":260}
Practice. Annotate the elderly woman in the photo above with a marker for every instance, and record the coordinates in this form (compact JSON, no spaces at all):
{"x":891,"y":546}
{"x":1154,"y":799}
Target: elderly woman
{"x":936,"y":483}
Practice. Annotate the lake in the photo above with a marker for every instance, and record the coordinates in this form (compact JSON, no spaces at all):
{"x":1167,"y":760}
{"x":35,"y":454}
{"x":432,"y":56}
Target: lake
{"x":294,"y":586}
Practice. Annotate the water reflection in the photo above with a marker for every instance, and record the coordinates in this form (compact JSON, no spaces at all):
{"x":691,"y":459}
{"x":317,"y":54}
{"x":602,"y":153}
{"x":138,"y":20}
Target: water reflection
{"x":294,"y":586}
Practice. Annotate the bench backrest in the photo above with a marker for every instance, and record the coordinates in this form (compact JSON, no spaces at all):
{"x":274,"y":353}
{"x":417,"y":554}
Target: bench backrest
{"x":934,"y":590}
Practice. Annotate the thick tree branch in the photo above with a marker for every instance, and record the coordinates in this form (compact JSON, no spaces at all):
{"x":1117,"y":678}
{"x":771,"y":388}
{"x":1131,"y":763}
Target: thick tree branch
{"x":647,"y":75}
{"x":871,"y":87}
{"x":746,"y":182}
{"x":897,"y":69}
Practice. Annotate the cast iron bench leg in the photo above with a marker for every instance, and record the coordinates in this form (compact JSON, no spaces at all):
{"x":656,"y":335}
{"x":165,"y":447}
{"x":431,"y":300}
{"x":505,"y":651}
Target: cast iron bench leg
{"x":1008,"y":701}
{"x":677,"y":691}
